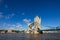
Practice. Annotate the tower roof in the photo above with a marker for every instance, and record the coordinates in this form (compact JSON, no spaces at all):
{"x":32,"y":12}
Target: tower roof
{"x":36,"y":17}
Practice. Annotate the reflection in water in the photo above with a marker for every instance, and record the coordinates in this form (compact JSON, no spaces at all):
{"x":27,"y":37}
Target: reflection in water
{"x":36,"y":37}
{"x":33,"y":37}
{"x":22,"y":36}
{"x":29,"y":37}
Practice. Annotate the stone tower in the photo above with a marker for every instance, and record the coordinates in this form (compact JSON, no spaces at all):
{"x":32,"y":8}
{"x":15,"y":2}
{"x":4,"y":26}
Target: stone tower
{"x":29,"y":28}
{"x":37,"y":24}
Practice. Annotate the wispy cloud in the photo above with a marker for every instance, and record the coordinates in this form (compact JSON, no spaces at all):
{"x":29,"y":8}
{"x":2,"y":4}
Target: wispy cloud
{"x":10,"y":16}
{"x":8,"y":26}
{"x":23,"y":13}
{"x":27,"y":20}
{"x":47,"y":27}
{"x":0,"y":1}
{"x":18,"y":25}
{"x":1,"y":15}
{"x":13,"y":25}
{"x":6,"y":6}
{"x":59,"y":19}
{"x":12,"y":28}
{"x":4,"y":24}
{"x":6,"y":16}
{"x":13,"y":14}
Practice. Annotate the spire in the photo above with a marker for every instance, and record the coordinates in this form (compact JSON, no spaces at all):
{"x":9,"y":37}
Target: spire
{"x":36,"y":19}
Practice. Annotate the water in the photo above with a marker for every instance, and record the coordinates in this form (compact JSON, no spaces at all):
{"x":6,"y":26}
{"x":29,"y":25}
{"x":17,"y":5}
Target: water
{"x":23,"y":36}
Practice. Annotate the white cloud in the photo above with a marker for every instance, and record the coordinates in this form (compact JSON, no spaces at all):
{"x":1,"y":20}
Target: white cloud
{"x":27,"y":20}
{"x":12,"y":28}
{"x":18,"y":25}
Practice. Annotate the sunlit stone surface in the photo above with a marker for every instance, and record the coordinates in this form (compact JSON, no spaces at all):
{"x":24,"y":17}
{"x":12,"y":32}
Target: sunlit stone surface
{"x":36,"y":24}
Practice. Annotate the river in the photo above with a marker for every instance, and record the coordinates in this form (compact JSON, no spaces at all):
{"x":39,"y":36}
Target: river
{"x":24,"y":36}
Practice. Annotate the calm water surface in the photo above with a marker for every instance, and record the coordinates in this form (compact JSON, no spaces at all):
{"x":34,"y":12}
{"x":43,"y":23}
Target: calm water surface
{"x":23,"y":36}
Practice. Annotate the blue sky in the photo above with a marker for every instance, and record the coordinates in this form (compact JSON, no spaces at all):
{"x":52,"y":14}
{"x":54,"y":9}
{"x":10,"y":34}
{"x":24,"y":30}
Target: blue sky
{"x":16,"y":13}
